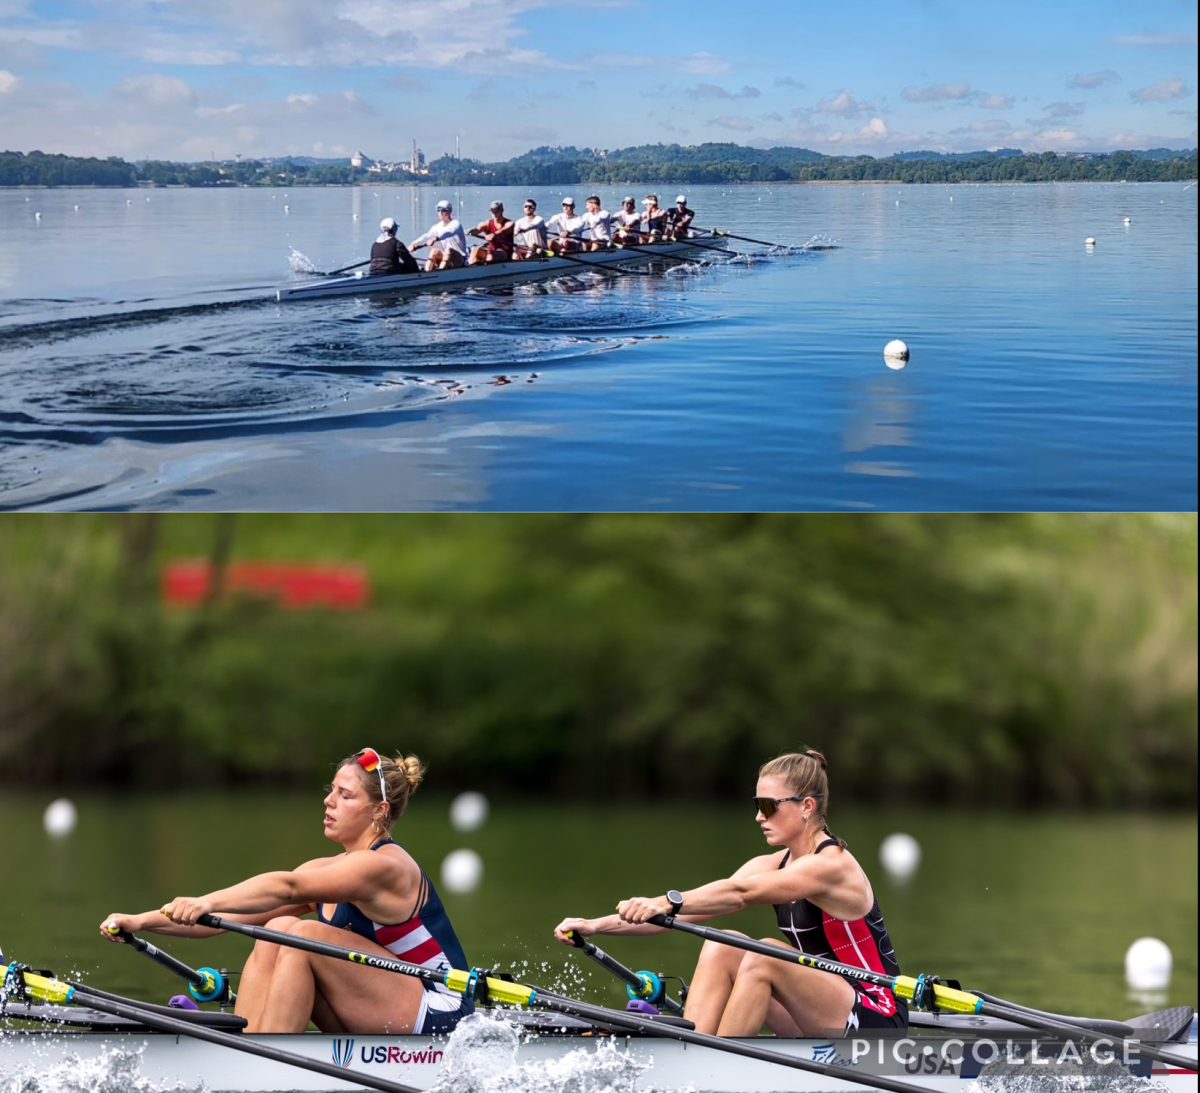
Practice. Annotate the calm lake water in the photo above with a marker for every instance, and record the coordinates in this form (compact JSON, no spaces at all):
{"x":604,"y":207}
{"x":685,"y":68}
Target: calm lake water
{"x":145,"y":364}
{"x":1036,"y":909}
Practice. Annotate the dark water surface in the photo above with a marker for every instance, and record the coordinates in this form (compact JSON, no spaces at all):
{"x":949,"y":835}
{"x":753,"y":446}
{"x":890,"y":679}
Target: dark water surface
{"x":145,"y":364}
{"x":1035,"y":908}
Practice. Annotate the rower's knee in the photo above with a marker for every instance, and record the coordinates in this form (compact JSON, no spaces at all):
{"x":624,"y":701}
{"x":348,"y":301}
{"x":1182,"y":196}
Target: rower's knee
{"x":284,"y":924}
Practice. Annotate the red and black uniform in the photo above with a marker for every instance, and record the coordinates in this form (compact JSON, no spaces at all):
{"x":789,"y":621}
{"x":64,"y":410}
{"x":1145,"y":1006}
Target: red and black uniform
{"x":501,"y":243}
{"x":862,"y":943}
{"x":389,"y":255}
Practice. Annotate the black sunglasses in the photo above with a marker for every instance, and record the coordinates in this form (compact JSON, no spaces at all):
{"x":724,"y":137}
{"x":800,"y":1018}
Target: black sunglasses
{"x":768,"y":806}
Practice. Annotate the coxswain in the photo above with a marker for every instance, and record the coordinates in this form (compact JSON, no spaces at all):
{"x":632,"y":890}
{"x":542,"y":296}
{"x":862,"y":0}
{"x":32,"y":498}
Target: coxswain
{"x":388,"y":254}
{"x":597,"y":222}
{"x":529,"y":232}
{"x":565,"y":229}
{"x":679,"y":219}
{"x":497,"y":236}
{"x":446,"y":240}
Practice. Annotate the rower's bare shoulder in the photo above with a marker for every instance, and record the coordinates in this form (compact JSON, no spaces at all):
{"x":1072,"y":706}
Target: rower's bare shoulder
{"x":762,"y":864}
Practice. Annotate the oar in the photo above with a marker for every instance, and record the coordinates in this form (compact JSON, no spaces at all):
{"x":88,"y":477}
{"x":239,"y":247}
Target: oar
{"x":65,"y":993}
{"x":204,"y":984}
{"x":644,"y":985}
{"x":606,"y":266}
{"x":706,"y":246}
{"x":479,"y":986}
{"x":923,"y":991}
{"x":344,"y":269}
{"x":652,"y":251}
{"x":718,"y":234}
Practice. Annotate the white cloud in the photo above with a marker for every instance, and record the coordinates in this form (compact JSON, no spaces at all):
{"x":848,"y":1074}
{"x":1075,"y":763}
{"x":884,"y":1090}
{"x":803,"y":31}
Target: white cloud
{"x":1089,"y":80}
{"x":997,"y":102}
{"x":302,"y":100}
{"x":7,"y":81}
{"x":844,"y":104}
{"x":704,"y":64}
{"x":943,"y":92}
{"x":1174,"y":88}
{"x":876,"y":129}
{"x":729,"y":121}
{"x":159,"y":91}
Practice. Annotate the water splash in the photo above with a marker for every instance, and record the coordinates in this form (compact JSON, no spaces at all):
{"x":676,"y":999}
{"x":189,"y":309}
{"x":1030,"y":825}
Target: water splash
{"x":299,"y":262}
{"x":113,"y":1071}
{"x":481,"y":1057}
{"x":1086,"y":1075}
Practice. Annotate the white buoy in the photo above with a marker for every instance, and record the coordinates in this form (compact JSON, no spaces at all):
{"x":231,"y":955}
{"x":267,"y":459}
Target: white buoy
{"x":1128,"y":221}
{"x":59,"y":818}
{"x":895,"y":354}
{"x":37,"y":216}
{"x":287,"y":208}
{"x":468,"y":811}
{"x":1148,"y":965}
{"x":462,"y":870}
{"x":1089,"y":242}
{"x":900,"y":855}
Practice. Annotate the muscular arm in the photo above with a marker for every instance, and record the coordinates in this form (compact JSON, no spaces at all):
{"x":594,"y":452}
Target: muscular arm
{"x":361,"y":877}
{"x":758,"y":882}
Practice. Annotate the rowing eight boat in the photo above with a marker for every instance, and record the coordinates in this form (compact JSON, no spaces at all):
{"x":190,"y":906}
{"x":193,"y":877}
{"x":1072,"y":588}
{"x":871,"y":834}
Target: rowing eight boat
{"x":500,"y":273}
{"x":942,"y":1052}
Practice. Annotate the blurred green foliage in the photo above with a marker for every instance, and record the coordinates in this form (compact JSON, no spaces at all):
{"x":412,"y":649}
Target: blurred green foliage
{"x":977,"y":659}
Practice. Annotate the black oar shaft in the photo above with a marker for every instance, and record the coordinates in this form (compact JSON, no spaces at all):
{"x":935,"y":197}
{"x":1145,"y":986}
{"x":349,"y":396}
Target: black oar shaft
{"x":656,"y":254}
{"x":744,"y":238}
{"x":140,"y":945}
{"x":346,"y":269}
{"x":627,"y":975}
{"x":604,"y":266}
{"x":131,"y":1011}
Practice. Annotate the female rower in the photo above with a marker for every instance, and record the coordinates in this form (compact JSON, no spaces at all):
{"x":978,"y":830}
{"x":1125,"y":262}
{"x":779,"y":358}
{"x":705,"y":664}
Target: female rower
{"x":824,"y":905}
{"x":373,"y":889}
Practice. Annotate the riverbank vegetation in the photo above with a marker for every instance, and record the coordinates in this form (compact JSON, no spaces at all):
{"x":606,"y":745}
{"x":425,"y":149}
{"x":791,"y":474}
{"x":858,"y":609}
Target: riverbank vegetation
{"x":1045,"y":660}
{"x":668,"y":164}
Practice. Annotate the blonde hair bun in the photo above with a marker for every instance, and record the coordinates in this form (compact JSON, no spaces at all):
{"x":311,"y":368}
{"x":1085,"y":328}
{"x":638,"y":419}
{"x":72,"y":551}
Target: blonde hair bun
{"x":413,"y":770}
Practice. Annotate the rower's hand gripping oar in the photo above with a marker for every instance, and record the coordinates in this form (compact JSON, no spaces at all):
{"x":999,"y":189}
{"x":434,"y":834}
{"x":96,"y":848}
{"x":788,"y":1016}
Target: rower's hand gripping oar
{"x":482,"y":987}
{"x":924,"y":992}
{"x":204,"y":984}
{"x":640,"y":986}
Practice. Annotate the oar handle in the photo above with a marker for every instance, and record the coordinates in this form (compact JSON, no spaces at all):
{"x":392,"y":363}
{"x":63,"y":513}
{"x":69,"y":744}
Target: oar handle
{"x":204,"y":984}
{"x":639,"y":985}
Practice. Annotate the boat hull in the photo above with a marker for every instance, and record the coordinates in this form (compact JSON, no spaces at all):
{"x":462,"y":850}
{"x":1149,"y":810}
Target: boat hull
{"x":501,"y":273}
{"x":938,"y":1061}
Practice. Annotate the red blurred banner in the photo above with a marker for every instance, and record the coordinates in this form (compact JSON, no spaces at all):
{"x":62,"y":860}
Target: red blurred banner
{"x":296,"y":587}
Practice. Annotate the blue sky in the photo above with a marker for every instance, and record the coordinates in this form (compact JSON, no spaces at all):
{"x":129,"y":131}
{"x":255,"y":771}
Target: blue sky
{"x":189,"y":79}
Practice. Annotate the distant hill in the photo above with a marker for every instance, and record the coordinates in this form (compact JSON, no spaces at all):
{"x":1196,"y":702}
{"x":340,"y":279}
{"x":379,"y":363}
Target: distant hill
{"x":665,"y":164}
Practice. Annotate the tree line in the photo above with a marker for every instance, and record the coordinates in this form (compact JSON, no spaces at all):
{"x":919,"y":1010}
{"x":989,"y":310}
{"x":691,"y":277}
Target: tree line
{"x":710,"y":163}
{"x":1041,"y":660}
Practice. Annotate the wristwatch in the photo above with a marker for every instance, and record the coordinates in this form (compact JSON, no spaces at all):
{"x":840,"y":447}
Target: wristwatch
{"x":675,"y":899}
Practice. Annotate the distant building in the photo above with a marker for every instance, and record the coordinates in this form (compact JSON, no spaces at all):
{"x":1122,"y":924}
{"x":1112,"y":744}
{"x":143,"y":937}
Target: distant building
{"x":359,"y":160}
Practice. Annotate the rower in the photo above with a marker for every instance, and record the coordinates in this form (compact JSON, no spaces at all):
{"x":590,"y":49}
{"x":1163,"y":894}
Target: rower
{"x":597,"y":225}
{"x":497,"y":234}
{"x":565,"y":229}
{"x":653,"y":220}
{"x":388,"y":254}
{"x":824,"y":905}
{"x":529,"y":232}
{"x":373,"y":888}
{"x":446,"y":239}
{"x":679,"y":219}
{"x":626,"y":220}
